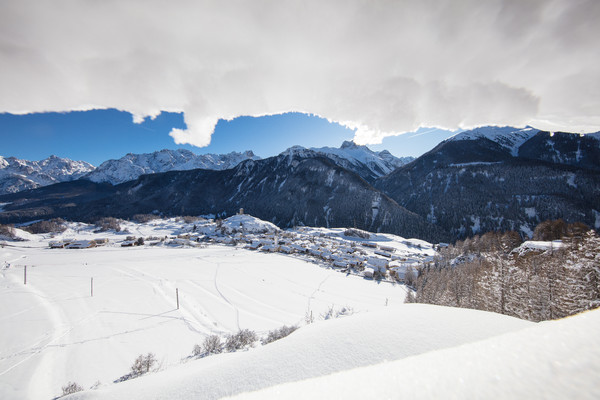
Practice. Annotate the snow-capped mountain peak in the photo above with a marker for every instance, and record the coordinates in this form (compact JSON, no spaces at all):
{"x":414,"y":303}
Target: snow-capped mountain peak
{"x":362,"y":160}
{"x":506,"y":136}
{"x":17,"y":175}
{"x":131,"y":166}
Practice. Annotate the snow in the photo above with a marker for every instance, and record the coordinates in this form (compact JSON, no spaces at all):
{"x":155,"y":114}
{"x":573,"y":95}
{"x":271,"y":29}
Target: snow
{"x":59,"y":333}
{"x":16,"y":174}
{"x":571,"y":180}
{"x":248,"y":223}
{"x":401,"y":245}
{"x":530,"y":212}
{"x":131,"y":166}
{"x":319,"y":349}
{"x":532,"y":245}
{"x":550,"y":360}
{"x":508,"y":137}
{"x":476,"y":227}
{"x":526,"y":230}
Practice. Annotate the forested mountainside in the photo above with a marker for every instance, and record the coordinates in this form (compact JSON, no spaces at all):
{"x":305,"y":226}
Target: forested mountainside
{"x":477,"y":184}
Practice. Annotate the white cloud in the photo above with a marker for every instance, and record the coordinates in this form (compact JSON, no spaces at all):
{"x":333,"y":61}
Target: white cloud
{"x":382,"y":67}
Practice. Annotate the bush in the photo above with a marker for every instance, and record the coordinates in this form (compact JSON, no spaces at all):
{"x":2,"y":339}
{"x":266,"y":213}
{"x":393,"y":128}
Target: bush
{"x":212,"y":345}
{"x":107,"y":224}
{"x":333,"y":313}
{"x":143,"y":364}
{"x":143,"y":218}
{"x":7,"y":231}
{"x":308,"y":317}
{"x":357,"y":233}
{"x":280,"y":333}
{"x":188,"y":219}
{"x":240,"y":340}
{"x":139,"y":241}
{"x":71,"y":388}
{"x":53,"y":225}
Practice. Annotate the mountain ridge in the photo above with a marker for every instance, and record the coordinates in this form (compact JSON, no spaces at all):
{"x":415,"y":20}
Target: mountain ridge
{"x":17,"y":174}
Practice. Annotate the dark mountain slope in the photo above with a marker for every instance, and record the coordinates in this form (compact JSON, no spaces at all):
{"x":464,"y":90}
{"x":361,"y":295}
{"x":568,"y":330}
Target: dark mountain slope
{"x":473,"y":186}
{"x":295,"y":188}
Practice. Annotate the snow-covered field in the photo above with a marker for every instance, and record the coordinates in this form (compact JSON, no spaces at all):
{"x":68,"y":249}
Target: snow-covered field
{"x":54,"y":331}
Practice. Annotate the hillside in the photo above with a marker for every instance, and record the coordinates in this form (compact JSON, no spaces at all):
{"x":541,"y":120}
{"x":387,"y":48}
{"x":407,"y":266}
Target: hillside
{"x":474,"y":183}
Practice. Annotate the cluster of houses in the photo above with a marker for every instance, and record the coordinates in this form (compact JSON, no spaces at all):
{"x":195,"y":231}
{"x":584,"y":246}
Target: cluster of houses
{"x":368,"y":259}
{"x":358,"y":257}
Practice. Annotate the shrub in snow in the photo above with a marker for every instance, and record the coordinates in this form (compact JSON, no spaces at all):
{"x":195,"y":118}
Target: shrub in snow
{"x":308,"y":317}
{"x":71,"y":388}
{"x":410,"y":297}
{"x":188,"y":219}
{"x":280,"y":333}
{"x":197,"y":352}
{"x":211,"y":345}
{"x":333,"y":313}
{"x":240,"y":340}
{"x":139,"y":241}
{"x":8,"y":232}
{"x":53,"y":225}
{"x":107,"y":224}
{"x":143,"y":364}
{"x":142,"y":218}
{"x":357,"y":233}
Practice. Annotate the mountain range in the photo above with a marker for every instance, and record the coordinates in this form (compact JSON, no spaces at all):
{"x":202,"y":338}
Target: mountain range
{"x":17,"y":175}
{"x":477,"y":181}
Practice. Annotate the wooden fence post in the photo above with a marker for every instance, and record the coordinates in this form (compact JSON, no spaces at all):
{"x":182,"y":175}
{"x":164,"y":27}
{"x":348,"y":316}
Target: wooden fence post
{"x":177,"y":296}
{"x":25,"y":276}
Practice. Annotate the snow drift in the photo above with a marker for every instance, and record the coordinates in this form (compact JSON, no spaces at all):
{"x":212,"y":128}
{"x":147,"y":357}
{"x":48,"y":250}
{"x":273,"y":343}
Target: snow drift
{"x":388,"y":334}
{"x":551,"y":360}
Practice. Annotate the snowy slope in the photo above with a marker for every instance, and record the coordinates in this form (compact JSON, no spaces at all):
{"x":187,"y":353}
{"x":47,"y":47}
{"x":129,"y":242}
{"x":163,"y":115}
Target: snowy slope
{"x":132,"y":166}
{"x":551,"y":360}
{"x":59,"y":333}
{"x":508,"y":137}
{"x":388,"y":334}
{"x":17,"y":175}
{"x":247,"y":223}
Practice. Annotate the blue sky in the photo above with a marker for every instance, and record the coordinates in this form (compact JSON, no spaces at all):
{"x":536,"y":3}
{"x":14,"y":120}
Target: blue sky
{"x":98,"y":135}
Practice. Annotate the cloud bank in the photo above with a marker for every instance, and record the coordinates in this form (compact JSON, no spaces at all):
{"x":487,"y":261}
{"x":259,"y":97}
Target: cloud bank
{"x":381,"y":67}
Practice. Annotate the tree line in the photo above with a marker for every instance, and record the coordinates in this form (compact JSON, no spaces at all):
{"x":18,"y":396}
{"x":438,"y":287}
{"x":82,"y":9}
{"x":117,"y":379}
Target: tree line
{"x":493,"y":272}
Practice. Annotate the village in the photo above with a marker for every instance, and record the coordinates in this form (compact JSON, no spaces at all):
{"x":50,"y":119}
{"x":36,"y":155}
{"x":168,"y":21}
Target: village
{"x":382,"y":257}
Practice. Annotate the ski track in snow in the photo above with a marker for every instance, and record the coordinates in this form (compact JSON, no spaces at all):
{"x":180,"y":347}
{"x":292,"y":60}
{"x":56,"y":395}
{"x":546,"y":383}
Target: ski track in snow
{"x":312,"y":296}
{"x":237,"y":311}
